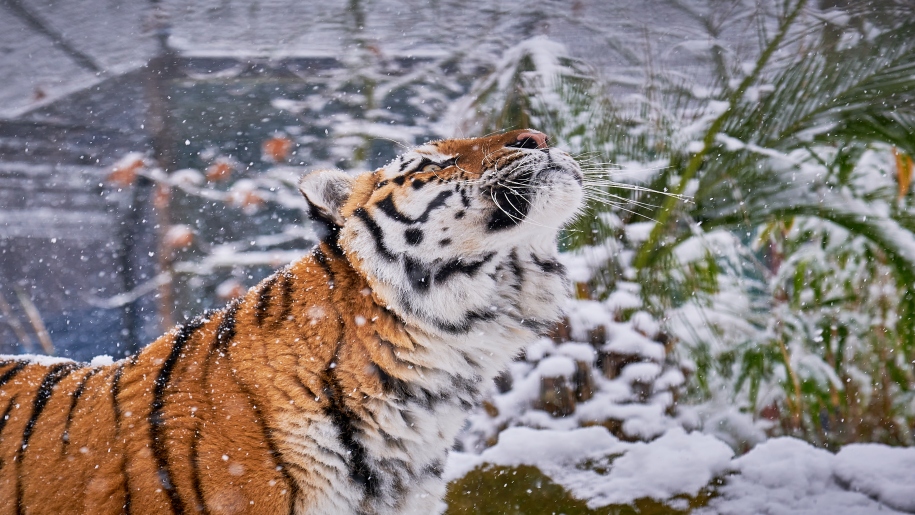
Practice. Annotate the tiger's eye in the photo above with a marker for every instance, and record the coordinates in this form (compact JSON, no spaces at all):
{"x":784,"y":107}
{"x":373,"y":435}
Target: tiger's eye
{"x":432,"y":167}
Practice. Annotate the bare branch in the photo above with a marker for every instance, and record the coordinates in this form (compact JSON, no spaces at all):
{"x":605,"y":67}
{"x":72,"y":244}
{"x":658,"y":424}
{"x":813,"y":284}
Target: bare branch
{"x":44,"y":338}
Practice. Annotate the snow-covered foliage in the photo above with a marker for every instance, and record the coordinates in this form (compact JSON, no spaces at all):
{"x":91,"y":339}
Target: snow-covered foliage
{"x":782,"y":475}
{"x":780,"y":288}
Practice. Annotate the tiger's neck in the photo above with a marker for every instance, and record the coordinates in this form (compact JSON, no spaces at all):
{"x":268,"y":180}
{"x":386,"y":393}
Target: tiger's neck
{"x":510,"y":293}
{"x":392,"y":383}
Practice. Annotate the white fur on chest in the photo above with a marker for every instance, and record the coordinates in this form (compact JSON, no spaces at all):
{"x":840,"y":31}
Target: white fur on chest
{"x":406,"y":436}
{"x":471,"y":279}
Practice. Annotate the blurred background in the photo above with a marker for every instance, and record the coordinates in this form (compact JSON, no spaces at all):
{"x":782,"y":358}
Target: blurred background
{"x":750,"y":272}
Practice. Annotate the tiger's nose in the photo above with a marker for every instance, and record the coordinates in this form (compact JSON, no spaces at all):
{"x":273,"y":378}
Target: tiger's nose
{"x":530,"y":139}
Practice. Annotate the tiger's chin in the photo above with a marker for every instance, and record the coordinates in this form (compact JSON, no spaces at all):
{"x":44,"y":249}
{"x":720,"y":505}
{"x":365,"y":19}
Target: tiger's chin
{"x":558,"y":201}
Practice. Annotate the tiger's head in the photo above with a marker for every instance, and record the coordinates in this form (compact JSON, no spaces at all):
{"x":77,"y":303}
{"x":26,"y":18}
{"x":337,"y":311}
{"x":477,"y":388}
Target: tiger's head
{"x":457,"y":233}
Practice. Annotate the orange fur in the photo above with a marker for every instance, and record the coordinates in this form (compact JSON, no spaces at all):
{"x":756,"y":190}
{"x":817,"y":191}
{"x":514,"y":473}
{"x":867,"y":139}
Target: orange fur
{"x":219,"y":405}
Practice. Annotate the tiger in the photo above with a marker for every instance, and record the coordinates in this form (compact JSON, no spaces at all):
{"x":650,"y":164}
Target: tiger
{"x":338,"y":384}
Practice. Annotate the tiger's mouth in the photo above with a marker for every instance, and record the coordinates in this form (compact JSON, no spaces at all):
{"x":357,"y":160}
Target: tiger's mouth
{"x":513,"y":203}
{"x":562,"y":170}
{"x":516,"y":192}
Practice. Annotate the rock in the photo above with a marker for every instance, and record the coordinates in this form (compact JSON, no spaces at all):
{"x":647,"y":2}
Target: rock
{"x":556,"y":398}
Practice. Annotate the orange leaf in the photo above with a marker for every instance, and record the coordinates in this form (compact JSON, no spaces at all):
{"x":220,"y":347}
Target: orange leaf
{"x":162,"y":197}
{"x":277,"y":148}
{"x":220,"y":170}
{"x":230,"y":289}
{"x":178,"y":237}
{"x":124,"y":172}
{"x":904,"y":167}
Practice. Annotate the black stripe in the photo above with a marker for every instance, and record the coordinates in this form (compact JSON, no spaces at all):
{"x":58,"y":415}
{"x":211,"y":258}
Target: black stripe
{"x":282,"y":466}
{"x":413,"y":236}
{"x":466,"y":323}
{"x":11,"y":373}
{"x":512,"y":206}
{"x":74,"y":398}
{"x":428,"y":399}
{"x":263,"y":300}
{"x":5,"y":417}
{"x":56,"y":373}
{"x":418,"y":274}
{"x":156,"y":417}
{"x":307,"y":389}
{"x":116,"y":408}
{"x":376,"y":232}
{"x":386,"y":205}
{"x":286,"y":296}
{"x":435,"y":469}
{"x":517,"y":269}
{"x":6,"y":414}
{"x":322,"y":260}
{"x":390,"y":385}
{"x":549,"y":266}
{"x":344,"y":420}
{"x":458,"y":266}
{"x":225,"y":333}
{"x":195,"y":470}
{"x":465,"y":198}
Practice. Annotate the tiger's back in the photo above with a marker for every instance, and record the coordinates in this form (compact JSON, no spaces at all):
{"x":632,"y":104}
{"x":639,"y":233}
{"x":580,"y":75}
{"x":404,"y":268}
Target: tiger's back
{"x":335,"y":385}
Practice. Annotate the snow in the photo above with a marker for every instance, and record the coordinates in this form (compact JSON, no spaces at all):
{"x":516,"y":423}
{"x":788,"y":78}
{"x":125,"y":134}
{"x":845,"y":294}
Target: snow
{"x":620,"y":300}
{"x":789,"y":476}
{"x":47,"y":361}
{"x":886,"y":474}
{"x":641,"y":372}
{"x":781,"y":476}
{"x":38,"y":359}
{"x":643,"y":322}
{"x":577,"y":351}
{"x":677,"y":463}
{"x":625,"y":340}
{"x":101,"y":361}
{"x":556,"y":366}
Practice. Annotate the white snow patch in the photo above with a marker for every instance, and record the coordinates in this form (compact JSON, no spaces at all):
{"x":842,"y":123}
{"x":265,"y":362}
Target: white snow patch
{"x":624,"y":340}
{"x":38,"y":359}
{"x":101,"y":361}
{"x":677,"y":463}
{"x":555,"y":366}
{"x":789,"y":476}
{"x":621,"y":300}
{"x":884,"y":473}
{"x":577,"y":351}
{"x":641,"y":372}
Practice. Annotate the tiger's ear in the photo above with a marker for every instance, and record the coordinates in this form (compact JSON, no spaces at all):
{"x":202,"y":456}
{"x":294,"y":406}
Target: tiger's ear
{"x":326,"y":191}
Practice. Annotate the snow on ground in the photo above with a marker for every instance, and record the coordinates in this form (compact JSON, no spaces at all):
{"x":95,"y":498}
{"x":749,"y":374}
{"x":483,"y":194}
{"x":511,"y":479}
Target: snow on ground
{"x":781,"y":476}
{"x":676,"y":463}
{"x":787,"y":475}
{"x":631,"y":439}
